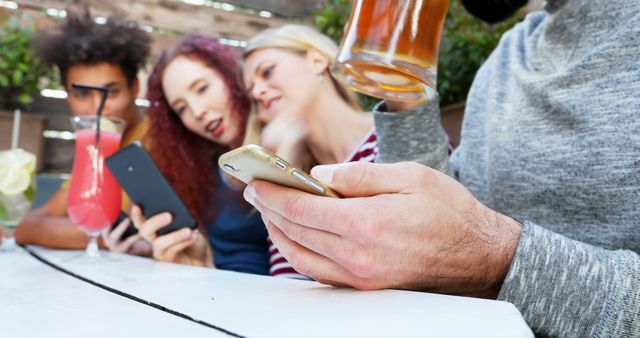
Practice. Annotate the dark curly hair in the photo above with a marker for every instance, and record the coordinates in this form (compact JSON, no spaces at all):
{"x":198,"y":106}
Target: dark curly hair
{"x":187,"y":160}
{"x":80,"y":40}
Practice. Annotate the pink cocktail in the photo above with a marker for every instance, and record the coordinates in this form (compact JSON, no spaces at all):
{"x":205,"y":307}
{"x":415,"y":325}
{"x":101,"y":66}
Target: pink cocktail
{"x":94,"y":195}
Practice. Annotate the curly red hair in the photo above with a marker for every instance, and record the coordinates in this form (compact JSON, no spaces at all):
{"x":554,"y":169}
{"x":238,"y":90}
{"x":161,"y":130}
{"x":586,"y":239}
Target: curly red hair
{"x":187,"y":160}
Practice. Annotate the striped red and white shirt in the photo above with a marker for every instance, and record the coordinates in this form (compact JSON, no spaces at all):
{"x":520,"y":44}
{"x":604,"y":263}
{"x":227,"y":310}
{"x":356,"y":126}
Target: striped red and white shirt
{"x":279,"y":266}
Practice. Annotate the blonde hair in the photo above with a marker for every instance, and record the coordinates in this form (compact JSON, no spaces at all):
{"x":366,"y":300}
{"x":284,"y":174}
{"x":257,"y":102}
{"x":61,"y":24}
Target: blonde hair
{"x":301,"y":39}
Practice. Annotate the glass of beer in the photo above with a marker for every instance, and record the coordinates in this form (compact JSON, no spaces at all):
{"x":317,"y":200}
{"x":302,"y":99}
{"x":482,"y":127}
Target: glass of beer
{"x":390,"y":48}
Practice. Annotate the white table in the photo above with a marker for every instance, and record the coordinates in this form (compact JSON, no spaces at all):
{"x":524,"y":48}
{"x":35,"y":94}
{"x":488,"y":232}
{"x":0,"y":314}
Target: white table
{"x":245,"y":305}
{"x":38,"y":301}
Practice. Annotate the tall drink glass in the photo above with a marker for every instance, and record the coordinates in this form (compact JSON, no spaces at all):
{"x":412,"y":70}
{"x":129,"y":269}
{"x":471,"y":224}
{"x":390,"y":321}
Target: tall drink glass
{"x":17,"y":191}
{"x":94,"y":194}
{"x":390,"y":48}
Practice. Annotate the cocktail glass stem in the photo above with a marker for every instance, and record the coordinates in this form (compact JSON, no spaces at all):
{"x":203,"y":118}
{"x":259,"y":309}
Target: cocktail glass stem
{"x":92,"y":251}
{"x":7,"y":242}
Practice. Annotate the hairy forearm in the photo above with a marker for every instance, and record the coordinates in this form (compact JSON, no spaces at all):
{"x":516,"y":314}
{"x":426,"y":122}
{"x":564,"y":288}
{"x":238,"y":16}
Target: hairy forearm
{"x":498,"y":235}
{"x":481,"y":253}
{"x":566,"y":288}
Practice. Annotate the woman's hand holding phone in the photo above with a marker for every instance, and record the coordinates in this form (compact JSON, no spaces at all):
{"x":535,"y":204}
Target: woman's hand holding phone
{"x":184,"y":246}
{"x":134,"y":244}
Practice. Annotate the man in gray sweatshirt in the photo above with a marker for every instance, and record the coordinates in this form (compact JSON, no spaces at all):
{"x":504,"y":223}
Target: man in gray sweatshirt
{"x":547,"y":215}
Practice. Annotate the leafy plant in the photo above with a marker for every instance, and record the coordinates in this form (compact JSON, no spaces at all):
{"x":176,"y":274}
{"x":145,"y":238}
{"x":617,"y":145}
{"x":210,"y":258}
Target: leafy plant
{"x":331,"y":17}
{"x":466,"y":43}
{"x":22,"y":74}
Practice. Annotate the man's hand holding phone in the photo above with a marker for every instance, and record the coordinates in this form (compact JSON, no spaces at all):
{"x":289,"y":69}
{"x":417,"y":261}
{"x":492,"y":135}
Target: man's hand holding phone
{"x":183,"y":246}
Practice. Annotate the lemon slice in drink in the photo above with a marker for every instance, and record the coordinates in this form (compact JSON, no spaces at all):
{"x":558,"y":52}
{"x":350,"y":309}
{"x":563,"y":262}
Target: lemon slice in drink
{"x":19,"y":157}
{"x":106,"y":125}
{"x":14,"y":178}
{"x":30,"y":162}
{"x":26,"y":159}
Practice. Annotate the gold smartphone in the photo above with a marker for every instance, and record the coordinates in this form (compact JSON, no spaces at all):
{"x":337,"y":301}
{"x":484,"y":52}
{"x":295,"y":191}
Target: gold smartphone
{"x":251,"y":162}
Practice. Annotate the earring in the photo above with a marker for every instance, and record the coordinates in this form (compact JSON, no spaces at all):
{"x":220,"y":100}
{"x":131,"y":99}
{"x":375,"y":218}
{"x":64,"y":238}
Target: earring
{"x":320,"y":77}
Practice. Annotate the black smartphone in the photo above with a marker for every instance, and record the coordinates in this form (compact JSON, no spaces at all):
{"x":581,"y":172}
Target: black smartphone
{"x":139,"y":176}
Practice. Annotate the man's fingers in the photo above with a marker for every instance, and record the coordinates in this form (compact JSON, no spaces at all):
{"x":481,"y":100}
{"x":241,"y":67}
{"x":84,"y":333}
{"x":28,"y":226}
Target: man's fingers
{"x":312,"y":264}
{"x":363,"y":179}
{"x":352,"y":180}
{"x":330,"y":245}
{"x":302,"y":207}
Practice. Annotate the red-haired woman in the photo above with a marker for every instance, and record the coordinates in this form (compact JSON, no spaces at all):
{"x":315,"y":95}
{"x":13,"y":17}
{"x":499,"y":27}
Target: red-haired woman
{"x":199,"y":111}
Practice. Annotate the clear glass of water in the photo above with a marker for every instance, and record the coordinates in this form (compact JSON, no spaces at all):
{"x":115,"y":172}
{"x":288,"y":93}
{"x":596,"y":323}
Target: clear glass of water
{"x":17,"y":191}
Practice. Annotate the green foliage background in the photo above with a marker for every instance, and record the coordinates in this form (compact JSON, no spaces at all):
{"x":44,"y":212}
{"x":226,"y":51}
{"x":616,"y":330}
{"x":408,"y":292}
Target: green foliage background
{"x":22,"y":74}
{"x":466,"y":43}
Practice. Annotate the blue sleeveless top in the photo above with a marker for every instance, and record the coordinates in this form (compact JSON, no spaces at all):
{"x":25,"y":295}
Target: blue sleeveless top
{"x":238,"y":236}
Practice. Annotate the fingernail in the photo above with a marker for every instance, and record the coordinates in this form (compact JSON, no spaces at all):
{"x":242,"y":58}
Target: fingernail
{"x":249,"y":194}
{"x":166,"y":217}
{"x":323,"y":173}
{"x":195,"y":234}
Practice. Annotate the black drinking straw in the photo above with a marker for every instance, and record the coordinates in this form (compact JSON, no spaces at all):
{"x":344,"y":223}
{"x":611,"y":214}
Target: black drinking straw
{"x":105,"y":94}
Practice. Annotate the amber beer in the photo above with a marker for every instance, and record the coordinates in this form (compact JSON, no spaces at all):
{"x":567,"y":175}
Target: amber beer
{"x":390,"y":48}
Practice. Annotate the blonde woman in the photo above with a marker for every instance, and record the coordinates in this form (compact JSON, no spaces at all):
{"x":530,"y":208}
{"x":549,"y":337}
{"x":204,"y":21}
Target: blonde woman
{"x":303,"y":109}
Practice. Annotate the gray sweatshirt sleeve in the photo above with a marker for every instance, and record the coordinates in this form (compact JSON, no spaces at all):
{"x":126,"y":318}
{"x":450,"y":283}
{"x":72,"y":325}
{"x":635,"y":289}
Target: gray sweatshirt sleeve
{"x":566,"y":288}
{"x":414,"y":135}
